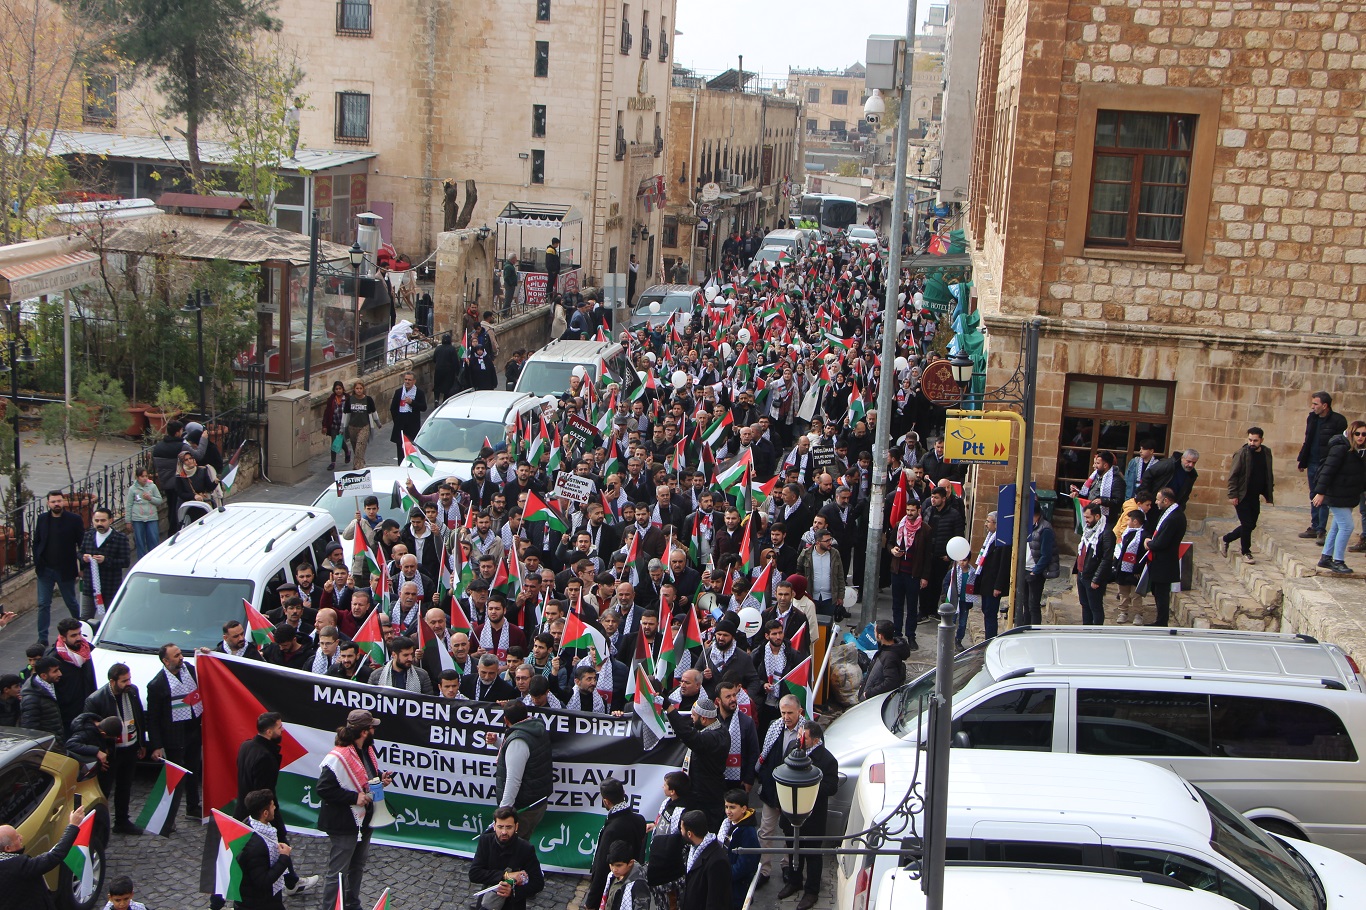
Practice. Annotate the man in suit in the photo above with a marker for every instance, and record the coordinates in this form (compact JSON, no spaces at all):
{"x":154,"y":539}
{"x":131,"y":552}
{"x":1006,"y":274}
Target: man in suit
{"x":405,"y":409}
{"x":785,"y":550}
{"x":337,"y":591}
{"x":1095,"y":564}
{"x":259,"y":871}
{"x":806,"y":877}
{"x":174,"y":709}
{"x":624,"y":824}
{"x":409,"y":571}
{"x":708,"y":883}
{"x":119,"y":698}
{"x":56,"y":556}
{"x":794,"y":511}
{"x":486,"y":683}
{"x":1164,"y":552}
{"x":840,"y":516}
{"x":292,"y":613}
{"x":686,"y":579}
{"x":234,"y":642}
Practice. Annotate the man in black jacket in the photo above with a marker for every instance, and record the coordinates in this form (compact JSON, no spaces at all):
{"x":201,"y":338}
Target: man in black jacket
{"x":120,"y":698}
{"x":1322,"y":424}
{"x":38,"y":709}
{"x":264,"y":858}
{"x":165,"y":461}
{"x":258,"y":769}
{"x":1176,"y":472}
{"x":709,"y":743}
{"x":174,"y":709}
{"x":945,"y":523}
{"x":500,"y":851}
{"x":1164,"y":551}
{"x":807,"y":876}
{"x":524,"y":771}
{"x":235,"y":642}
{"x":56,"y":547}
{"x":707,"y":885}
{"x":622,"y":824}
{"x":78,"y":671}
{"x":1095,"y":565}
{"x":107,"y":550}
{"x":888,"y":671}
{"x":405,"y":409}
{"x":21,"y":876}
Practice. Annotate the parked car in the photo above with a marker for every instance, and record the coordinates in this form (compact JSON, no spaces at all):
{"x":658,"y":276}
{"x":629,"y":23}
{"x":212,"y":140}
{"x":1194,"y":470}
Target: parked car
{"x":38,"y":790}
{"x":197,"y":579}
{"x":456,"y":431}
{"x":1274,"y":725}
{"x":677,"y":300}
{"x":1092,"y":811}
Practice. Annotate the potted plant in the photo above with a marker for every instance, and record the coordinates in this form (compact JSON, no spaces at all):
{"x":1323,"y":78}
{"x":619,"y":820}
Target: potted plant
{"x":171,"y":401}
{"x":137,"y":421}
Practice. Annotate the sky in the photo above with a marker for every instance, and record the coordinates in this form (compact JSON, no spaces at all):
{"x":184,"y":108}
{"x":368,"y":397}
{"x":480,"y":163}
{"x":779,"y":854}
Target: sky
{"x":772,"y":35}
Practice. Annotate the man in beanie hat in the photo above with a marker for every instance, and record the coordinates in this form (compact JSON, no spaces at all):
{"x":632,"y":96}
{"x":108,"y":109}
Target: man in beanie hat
{"x":710,"y":745}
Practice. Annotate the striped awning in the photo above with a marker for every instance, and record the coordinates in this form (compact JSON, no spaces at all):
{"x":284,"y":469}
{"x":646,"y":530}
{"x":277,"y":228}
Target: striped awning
{"x":48,"y":274}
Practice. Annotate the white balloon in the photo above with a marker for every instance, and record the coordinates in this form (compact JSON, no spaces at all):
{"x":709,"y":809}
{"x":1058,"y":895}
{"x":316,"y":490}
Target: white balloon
{"x":830,"y":358}
{"x":679,"y":379}
{"x":743,"y":336}
{"x":750,"y":621}
{"x":919,"y":297}
{"x":711,"y":292}
{"x":654,"y":308}
{"x":725,"y":350}
{"x":900,"y":326}
{"x":957,"y":548}
{"x":901,"y":364}
{"x":901,"y":298}
{"x":650,"y":356}
{"x":581,"y":372}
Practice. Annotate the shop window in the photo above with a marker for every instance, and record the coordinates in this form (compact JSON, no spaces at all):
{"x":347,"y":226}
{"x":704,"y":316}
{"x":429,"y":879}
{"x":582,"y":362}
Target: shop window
{"x":1106,"y":414}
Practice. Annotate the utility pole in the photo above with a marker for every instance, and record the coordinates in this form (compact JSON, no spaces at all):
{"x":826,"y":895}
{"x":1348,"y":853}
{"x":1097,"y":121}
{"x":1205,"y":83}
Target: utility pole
{"x":882,"y":441}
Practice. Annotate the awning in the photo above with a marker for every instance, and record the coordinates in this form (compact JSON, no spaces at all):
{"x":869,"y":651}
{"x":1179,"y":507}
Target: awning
{"x":48,"y":274}
{"x":155,"y":149}
{"x":874,"y":199}
{"x":538,"y":214}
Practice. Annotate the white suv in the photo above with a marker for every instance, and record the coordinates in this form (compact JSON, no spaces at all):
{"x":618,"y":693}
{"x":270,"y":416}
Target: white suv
{"x":455,"y":432}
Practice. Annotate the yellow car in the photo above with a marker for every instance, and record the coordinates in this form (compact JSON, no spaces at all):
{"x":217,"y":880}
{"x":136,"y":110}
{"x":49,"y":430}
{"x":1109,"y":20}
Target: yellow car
{"x":38,"y":790}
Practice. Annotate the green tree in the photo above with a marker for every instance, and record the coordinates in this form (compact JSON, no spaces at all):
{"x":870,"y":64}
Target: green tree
{"x":849,"y":167}
{"x":195,"y":50}
{"x":260,"y":130}
{"x":96,"y":411}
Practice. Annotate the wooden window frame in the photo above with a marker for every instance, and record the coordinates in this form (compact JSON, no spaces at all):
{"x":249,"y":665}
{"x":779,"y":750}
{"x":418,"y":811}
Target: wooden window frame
{"x":1136,"y":182}
{"x":1204,"y":104}
{"x":1098,"y":413}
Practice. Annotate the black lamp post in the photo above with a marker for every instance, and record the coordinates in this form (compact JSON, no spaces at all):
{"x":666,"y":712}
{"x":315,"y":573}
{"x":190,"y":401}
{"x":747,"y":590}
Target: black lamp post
{"x":962,"y":366}
{"x":16,"y":357}
{"x":357,"y":256}
{"x":196,"y":302}
{"x":798,"y":782}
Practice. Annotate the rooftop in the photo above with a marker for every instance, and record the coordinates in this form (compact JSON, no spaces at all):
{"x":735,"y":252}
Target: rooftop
{"x":172,"y":150}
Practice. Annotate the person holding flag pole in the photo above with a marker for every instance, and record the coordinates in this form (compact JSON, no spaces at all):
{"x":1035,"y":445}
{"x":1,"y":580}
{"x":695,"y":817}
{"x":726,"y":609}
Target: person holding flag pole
{"x":21,"y":876}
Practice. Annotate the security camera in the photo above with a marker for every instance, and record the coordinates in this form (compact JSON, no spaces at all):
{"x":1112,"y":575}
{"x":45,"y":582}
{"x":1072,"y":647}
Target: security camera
{"x":874,"y":108}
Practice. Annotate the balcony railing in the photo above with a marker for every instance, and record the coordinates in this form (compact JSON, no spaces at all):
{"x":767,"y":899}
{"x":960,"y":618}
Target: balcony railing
{"x":353,"y":18}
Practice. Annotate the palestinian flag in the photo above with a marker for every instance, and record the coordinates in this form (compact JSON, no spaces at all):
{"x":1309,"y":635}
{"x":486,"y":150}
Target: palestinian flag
{"x":539,"y":446}
{"x":508,"y":578}
{"x":647,"y":705}
{"x":743,"y":372}
{"x":898,"y":504}
{"x":556,"y":459}
{"x":233,"y":836}
{"x":361,"y":555}
{"x":689,"y":636}
{"x":633,"y":551}
{"x":426,"y":638}
{"x":400,"y":498}
{"x":695,"y":540}
{"x":382,"y":577}
{"x":713,"y":434}
{"x":580,"y":635}
{"x":798,"y":640}
{"x":1078,"y":511}
{"x":230,"y":475}
{"x":538,"y":509}
{"x":843,"y":344}
{"x":798,"y":682}
{"x":760,"y":595}
{"x":156,"y":817}
{"x":746,"y":564}
{"x":370,"y":639}
{"x":763,"y":492}
{"x":415,"y":456}
{"x":261,"y":630}
{"x":679,"y":459}
{"x":857,"y":409}
{"x":445,"y":579}
{"x":642,"y":661}
{"x":383,"y":902}
{"x":459,"y":622}
{"x":732,"y":473}
{"x":79,"y":861}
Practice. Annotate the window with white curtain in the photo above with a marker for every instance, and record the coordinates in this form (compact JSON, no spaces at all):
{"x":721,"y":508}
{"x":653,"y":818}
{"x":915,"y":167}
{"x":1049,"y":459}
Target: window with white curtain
{"x":1140,"y":179}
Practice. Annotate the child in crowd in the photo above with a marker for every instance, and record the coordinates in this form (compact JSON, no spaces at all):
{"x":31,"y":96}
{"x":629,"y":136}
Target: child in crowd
{"x":1128,"y":564}
{"x":121,"y":895}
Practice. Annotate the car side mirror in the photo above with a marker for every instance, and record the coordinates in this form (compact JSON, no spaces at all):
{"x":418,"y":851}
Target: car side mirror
{"x":961,"y":740}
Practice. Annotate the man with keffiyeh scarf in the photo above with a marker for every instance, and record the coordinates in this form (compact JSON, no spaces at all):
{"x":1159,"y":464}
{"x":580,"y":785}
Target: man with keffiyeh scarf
{"x":1105,"y":484}
{"x":707,"y":882}
{"x":348,"y":806}
{"x":622,"y":825}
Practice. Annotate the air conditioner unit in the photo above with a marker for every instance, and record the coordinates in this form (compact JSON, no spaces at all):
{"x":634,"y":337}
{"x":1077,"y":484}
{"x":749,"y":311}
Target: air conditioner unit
{"x":865,"y":172}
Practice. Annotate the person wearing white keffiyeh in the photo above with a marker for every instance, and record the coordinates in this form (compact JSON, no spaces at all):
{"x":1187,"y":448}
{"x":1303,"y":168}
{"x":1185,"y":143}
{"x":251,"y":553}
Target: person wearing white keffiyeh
{"x":585,"y":696}
{"x":264,"y":862}
{"x":707,"y":867}
{"x":1106,"y":484}
{"x":326,"y":657}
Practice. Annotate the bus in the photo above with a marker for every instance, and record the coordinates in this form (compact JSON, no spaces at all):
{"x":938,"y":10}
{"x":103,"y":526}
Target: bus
{"x":831,"y":213}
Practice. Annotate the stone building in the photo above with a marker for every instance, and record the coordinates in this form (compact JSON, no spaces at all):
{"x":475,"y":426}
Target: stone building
{"x":748,"y":143}
{"x":545,"y":102}
{"x":1179,"y":192}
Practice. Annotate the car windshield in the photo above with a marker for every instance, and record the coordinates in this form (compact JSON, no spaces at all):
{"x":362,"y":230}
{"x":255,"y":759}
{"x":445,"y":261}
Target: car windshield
{"x":864,"y":232}
{"x":547,"y":377}
{"x":769,"y":254}
{"x":901,"y":711}
{"x":1262,"y":856}
{"x":459,"y":438}
{"x":151,"y":610}
{"x":674,"y":303}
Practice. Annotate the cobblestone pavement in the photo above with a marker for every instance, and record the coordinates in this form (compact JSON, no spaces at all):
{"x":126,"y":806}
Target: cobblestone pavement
{"x":165,"y":871}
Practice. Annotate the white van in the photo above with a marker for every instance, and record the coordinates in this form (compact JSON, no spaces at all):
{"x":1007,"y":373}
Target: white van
{"x":795,"y":242}
{"x":1083,"y":811}
{"x":1274,"y":725}
{"x":969,"y":887}
{"x":196,"y":580}
{"x":547,"y":371}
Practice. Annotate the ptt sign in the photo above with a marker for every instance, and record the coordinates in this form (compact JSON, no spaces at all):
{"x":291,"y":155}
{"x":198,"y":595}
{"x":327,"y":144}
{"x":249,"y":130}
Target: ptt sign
{"x":978,"y":441}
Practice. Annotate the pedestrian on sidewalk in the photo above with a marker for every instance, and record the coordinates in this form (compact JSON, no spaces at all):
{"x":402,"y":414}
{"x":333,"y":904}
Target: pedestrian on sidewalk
{"x":334,"y":424}
{"x":105,"y":554}
{"x":1340,"y":481}
{"x":1095,"y":564}
{"x":1322,"y":424}
{"x":141,"y":506}
{"x":405,"y":410}
{"x":1249,"y":482}
{"x":360,"y":419}
{"x":56,"y":555}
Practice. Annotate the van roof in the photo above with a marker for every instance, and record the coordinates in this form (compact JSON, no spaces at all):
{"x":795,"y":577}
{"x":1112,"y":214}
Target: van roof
{"x":231,"y":541}
{"x":1041,"y":788}
{"x":1158,"y":653}
{"x":482,"y":404}
{"x":785,"y":233}
{"x":1015,"y":888}
{"x":669,"y":289}
{"x":574,"y":351}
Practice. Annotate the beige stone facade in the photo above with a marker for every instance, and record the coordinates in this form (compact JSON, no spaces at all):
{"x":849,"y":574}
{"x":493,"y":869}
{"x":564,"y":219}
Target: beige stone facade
{"x":832,"y":99}
{"x":1226,"y":268}
{"x":453,"y":91}
{"x":754,"y":138}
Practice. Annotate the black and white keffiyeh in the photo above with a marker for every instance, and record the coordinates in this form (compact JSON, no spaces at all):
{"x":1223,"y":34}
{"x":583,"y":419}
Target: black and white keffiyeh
{"x":695,"y":852}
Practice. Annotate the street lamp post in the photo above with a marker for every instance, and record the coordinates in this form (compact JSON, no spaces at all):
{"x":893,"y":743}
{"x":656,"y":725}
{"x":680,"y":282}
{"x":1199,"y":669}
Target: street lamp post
{"x":16,"y":357}
{"x":357,"y":256}
{"x":798,"y":783}
{"x":195,"y":302}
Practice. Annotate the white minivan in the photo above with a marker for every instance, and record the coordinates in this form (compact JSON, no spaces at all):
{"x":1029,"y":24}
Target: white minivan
{"x":1089,"y":811}
{"x":971,"y":887}
{"x":548,"y":370}
{"x":1274,"y":725}
{"x":197,"y":579}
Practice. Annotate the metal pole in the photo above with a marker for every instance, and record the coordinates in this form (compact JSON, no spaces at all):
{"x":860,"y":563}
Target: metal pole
{"x":872,"y":551}
{"x":17,"y":479}
{"x":1027,"y":469}
{"x":312,"y":281}
{"x":937,"y":805}
{"x":355,"y":314}
{"x":199,"y":331}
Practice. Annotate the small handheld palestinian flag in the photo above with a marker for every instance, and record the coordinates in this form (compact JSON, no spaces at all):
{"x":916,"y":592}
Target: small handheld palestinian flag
{"x":381,"y":904}
{"x":580,"y":635}
{"x":426,"y":638}
{"x":798,"y":683}
{"x":79,"y":860}
{"x":233,"y":836}
{"x":370,"y":638}
{"x":230,"y":475}
{"x":413,"y":455}
{"x":645,"y":702}
{"x":261,"y":629}
{"x":157,"y":816}
{"x":689,"y":636}
{"x":538,"y":510}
